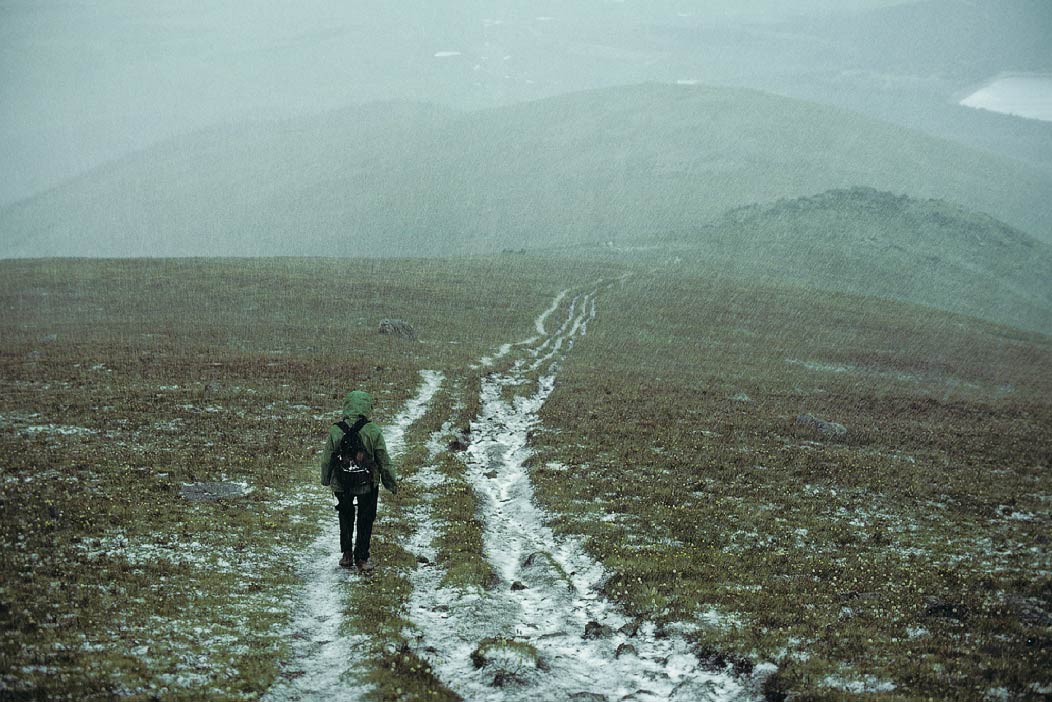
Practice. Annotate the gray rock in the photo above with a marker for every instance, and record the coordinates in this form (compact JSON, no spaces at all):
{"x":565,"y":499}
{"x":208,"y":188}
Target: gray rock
{"x":205,"y":492}
{"x":1030,"y":611}
{"x":822,"y":426}
{"x":595,"y":630}
{"x":629,"y":629}
{"x":397,"y":327}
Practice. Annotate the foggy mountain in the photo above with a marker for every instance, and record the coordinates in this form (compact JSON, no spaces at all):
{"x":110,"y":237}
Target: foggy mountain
{"x":948,"y":38}
{"x":874,"y":243}
{"x":909,"y":63}
{"x":400,"y":178}
{"x":84,"y":83}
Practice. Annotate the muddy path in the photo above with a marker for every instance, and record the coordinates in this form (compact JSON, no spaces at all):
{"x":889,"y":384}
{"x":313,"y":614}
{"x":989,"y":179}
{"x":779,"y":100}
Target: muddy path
{"x":544,"y":631}
{"x":316,"y":668}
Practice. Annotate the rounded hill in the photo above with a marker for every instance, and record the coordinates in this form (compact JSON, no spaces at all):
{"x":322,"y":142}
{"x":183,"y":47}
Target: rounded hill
{"x":879,"y":244}
{"x":407,"y":179}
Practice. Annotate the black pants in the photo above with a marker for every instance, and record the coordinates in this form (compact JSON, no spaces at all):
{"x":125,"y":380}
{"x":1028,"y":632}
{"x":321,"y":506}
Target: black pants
{"x":366,"y":513}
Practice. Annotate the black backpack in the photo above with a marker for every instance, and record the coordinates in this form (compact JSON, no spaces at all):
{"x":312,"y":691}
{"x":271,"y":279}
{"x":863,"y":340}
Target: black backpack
{"x":350,"y":459}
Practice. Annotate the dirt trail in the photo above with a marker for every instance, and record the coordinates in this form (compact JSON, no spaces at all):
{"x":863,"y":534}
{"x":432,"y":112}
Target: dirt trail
{"x":569,"y":642}
{"x":317,"y":668}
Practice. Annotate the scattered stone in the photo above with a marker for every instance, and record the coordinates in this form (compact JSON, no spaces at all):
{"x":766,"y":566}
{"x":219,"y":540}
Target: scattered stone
{"x":774,"y":688}
{"x":595,"y":630}
{"x":715,"y":661}
{"x":206,"y":492}
{"x":625,"y":649}
{"x":630,"y":629}
{"x":397,"y":327}
{"x":492,"y":475}
{"x":741,"y":397}
{"x":945,"y":610}
{"x":851,"y":595}
{"x":423,"y":560}
{"x":1030,"y":611}
{"x":457,"y":445}
{"x":517,"y":585}
{"x":504,"y":679}
{"x":588,"y":697}
{"x":511,"y":661}
{"x":821,"y":426}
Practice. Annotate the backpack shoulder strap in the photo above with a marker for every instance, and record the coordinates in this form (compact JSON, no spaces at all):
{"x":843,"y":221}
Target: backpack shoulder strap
{"x":342,"y":424}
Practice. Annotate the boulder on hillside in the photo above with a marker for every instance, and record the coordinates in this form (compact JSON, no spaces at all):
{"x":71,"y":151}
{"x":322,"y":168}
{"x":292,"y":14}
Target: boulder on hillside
{"x":821,"y":426}
{"x":397,"y":327}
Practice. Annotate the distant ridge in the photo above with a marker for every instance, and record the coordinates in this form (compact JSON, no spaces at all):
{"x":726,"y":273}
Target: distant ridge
{"x":410,"y":179}
{"x":876,"y":243}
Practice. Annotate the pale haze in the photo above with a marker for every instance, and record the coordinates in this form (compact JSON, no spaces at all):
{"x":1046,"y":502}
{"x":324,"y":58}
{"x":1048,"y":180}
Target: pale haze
{"x":84,"y":83}
{"x":526,"y":351}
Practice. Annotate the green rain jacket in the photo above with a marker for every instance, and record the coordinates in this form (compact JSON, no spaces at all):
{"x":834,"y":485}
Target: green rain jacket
{"x":360,"y":403}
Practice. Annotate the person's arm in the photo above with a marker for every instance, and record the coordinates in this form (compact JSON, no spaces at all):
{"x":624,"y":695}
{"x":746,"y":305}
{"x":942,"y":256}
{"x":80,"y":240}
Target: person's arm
{"x":326,"y":460}
{"x":388,"y":476}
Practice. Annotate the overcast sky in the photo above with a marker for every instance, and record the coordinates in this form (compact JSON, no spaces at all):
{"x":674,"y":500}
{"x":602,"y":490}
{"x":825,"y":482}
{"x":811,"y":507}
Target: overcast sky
{"x":85,"y":82}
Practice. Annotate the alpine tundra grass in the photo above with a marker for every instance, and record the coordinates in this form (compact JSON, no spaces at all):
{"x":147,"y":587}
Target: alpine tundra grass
{"x":129,"y":383}
{"x":906,"y":558}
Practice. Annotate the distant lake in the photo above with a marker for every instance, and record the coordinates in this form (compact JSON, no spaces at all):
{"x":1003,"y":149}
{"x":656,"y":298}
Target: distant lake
{"x":1025,"y":96}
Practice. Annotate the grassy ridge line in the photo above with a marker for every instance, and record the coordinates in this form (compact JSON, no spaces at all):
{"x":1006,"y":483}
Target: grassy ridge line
{"x":904,"y":558}
{"x":596,"y":165}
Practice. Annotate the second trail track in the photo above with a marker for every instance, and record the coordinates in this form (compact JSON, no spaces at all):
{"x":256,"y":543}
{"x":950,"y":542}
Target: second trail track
{"x":544,"y":630}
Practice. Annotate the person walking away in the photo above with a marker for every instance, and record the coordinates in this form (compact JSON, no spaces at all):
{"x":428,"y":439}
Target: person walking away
{"x":354,"y":464}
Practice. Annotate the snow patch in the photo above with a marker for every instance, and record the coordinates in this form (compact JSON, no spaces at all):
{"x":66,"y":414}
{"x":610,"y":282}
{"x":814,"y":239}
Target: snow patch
{"x":60,"y":429}
{"x":865,"y":684}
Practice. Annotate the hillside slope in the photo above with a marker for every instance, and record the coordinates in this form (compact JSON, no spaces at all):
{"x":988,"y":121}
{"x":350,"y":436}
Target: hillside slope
{"x":411,"y":179}
{"x":875,"y":243}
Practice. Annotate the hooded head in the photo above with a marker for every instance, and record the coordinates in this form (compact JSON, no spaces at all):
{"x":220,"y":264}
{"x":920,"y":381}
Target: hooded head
{"x":357,"y":402}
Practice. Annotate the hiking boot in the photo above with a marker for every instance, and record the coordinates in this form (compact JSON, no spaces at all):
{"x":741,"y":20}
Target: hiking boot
{"x":348,"y":560}
{"x":365,"y":567}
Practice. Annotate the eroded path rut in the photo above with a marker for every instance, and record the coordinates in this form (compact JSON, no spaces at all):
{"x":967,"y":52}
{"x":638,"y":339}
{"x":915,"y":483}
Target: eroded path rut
{"x":568,"y":641}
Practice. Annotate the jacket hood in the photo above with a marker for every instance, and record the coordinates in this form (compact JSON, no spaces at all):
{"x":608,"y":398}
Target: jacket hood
{"x":357,"y":402}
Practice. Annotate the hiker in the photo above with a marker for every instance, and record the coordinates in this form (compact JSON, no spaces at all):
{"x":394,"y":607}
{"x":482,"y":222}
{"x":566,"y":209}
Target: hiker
{"x":355,"y":467}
